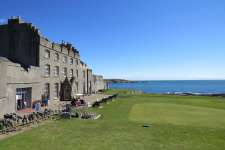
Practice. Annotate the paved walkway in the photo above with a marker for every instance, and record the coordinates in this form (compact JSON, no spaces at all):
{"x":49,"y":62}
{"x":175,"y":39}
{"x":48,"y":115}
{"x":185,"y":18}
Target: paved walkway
{"x":91,"y":99}
{"x":25,"y":111}
{"x":57,"y":105}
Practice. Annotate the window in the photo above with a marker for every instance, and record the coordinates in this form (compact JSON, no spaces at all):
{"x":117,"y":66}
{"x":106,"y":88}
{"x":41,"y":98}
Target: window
{"x":77,"y":87}
{"x":64,"y":59}
{"x":71,"y":61}
{"x":77,"y":61}
{"x":56,"y":57}
{"x":56,"y":71}
{"x":47,"y":70}
{"x":47,"y":53}
{"x":47,"y":90}
{"x":77,"y":73}
{"x":64,"y":72}
{"x":71,"y":73}
{"x":56,"y":90}
{"x":83,"y":74}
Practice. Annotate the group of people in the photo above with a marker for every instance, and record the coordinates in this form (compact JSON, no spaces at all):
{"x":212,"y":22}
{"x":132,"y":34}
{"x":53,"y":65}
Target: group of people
{"x":42,"y":103}
{"x":78,"y":102}
{"x":37,"y":105}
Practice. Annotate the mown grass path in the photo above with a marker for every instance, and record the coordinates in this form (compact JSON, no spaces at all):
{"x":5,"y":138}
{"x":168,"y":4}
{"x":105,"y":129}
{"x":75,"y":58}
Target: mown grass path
{"x":176,"y":123}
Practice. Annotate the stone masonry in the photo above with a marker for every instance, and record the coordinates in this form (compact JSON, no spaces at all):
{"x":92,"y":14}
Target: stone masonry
{"x":32,"y":67}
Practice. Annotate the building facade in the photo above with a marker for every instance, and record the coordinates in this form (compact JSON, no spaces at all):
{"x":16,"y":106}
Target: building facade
{"x":98,"y":83}
{"x":33,"y":68}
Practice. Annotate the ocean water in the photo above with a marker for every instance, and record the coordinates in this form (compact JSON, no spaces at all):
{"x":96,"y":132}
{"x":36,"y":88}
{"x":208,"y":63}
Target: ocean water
{"x":179,"y":86}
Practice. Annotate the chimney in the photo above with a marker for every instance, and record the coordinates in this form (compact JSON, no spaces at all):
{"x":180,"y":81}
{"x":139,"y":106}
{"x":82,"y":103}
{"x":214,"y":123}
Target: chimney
{"x":15,"y":20}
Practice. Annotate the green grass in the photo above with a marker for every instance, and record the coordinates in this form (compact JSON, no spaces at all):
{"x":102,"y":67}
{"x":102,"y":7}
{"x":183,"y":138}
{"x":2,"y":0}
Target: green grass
{"x":176,"y":123}
{"x":176,"y":114}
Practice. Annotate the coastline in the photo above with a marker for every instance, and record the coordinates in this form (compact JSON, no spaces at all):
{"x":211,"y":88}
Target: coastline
{"x":196,"y":94}
{"x":134,"y":91}
{"x":187,"y":87}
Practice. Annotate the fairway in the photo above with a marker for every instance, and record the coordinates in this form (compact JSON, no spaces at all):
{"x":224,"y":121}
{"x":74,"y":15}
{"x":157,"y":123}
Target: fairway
{"x":176,"y":123}
{"x":176,"y":114}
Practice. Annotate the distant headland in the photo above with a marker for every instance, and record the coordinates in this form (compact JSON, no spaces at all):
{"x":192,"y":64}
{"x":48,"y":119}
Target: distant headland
{"x":119,"y":81}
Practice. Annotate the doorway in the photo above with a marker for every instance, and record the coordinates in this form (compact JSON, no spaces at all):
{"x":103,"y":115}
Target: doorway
{"x":23,"y":98}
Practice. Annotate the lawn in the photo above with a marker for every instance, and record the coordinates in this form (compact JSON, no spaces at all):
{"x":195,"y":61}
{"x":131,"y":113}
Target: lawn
{"x":176,"y":114}
{"x":176,"y":123}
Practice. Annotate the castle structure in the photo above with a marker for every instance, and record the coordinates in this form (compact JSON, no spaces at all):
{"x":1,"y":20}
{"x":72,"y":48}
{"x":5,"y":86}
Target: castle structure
{"x":33,"y":68}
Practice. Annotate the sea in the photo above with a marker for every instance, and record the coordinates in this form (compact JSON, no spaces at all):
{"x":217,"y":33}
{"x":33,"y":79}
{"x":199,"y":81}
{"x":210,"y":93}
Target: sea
{"x":174,"y":86}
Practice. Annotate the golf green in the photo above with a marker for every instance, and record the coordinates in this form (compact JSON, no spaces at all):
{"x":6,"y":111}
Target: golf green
{"x":176,"y":114}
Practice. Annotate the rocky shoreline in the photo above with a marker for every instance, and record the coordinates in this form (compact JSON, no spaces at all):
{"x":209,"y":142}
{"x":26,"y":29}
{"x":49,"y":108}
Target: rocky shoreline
{"x":196,"y":94}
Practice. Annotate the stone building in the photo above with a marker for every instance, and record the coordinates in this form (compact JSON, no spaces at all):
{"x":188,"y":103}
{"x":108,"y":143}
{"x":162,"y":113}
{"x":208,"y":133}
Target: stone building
{"x":32,"y":67}
{"x":17,"y":83}
{"x":98,"y":83}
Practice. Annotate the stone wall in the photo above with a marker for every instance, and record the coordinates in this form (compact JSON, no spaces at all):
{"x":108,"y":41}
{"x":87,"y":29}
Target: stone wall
{"x":3,"y":95}
{"x":14,"y":76}
{"x":19,"y":42}
{"x":98,"y":83}
{"x":72,"y":65}
{"x":89,"y":81}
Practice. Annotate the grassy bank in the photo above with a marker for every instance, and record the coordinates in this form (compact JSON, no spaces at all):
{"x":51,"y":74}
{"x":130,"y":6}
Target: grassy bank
{"x":176,"y":122}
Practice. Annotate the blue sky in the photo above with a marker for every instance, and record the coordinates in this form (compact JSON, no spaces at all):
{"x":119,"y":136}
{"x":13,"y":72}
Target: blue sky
{"x":135,"y":39}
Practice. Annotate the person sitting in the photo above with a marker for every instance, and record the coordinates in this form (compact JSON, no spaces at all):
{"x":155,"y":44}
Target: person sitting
{"x":78,"y":103}
{"x":73,"y":102}
{"x":82,"y":102}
